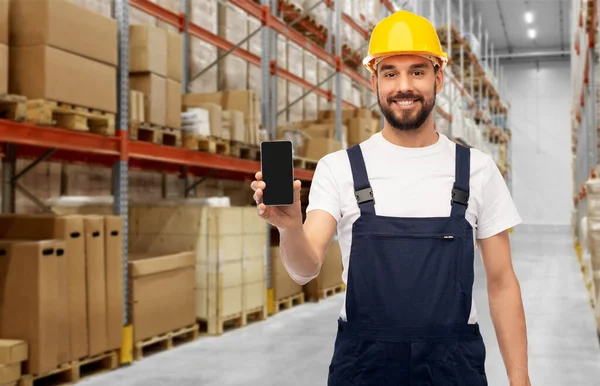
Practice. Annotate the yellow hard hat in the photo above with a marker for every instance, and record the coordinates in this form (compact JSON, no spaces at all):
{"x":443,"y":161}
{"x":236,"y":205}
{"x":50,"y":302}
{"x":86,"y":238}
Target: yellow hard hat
{"x":404,"y":33}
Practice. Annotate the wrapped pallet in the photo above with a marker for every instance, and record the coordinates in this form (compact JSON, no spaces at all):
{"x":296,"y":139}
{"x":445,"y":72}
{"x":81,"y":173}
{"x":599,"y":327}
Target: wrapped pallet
{"x":202,"y":54}
{"x":311,"y":101}
{"x":232,"y":26}
{"x":255,"y":47}
{"x":282,"y":91}
{"x":295,"y":66}
{"x":324,"y":71}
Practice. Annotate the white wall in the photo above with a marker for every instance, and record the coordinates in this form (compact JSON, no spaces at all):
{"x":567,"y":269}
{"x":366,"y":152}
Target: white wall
{"x":541,"y":145}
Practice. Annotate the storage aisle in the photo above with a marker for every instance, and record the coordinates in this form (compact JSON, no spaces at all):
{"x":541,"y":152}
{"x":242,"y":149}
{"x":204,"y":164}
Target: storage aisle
{"x":294,"y":347}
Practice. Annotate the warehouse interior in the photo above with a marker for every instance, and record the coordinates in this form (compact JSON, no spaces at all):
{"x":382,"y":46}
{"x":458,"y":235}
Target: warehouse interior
{"x":131,"y":252}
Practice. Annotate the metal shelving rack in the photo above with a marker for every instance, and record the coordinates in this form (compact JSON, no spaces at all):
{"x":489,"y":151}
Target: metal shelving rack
{"x":21,"y":140}
{"x":584,"y":63}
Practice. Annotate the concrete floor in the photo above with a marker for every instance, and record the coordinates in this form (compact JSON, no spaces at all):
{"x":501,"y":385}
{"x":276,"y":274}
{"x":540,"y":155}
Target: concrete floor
{"x":294,"y":348}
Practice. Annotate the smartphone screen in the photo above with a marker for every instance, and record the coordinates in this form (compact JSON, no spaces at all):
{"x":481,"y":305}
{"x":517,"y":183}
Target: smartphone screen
{"x":277,"y":165}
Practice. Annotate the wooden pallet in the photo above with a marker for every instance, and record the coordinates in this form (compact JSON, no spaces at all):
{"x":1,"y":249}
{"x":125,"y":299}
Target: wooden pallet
{"x":68,"y":116}
{"x":13,"y":107}
{"x":245,"y":151}
{"x":328,"y":292}
{"x":211,"y":145}
{"x":74,"y":371}
{"x":166,"y":341}
{"x":289,"y":302}
{"x":305,"y":163}
{"x":254,"y":315}
{"x":159,"y":135}
{"x":217,"y":326}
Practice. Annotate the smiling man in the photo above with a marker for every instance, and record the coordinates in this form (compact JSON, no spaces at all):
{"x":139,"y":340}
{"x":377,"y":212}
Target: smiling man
{"x":407,"y":204}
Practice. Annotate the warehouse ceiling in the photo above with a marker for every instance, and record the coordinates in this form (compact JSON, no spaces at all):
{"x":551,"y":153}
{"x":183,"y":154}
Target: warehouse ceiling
{"x":508,"y":29}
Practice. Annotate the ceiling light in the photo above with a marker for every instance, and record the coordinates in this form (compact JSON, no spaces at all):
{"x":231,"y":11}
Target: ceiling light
{"x":531,"y":33}
{"x":528,"y":17}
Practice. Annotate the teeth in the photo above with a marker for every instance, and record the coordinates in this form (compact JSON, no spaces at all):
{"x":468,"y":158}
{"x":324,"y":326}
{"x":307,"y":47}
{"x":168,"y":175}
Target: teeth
{"x":404,"y":103}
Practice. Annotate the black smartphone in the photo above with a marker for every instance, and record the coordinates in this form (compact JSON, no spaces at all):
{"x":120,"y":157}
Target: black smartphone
{"x":277,"y":165}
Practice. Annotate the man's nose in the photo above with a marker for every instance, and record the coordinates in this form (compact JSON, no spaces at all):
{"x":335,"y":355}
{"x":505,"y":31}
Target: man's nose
{"x":403,"y":83}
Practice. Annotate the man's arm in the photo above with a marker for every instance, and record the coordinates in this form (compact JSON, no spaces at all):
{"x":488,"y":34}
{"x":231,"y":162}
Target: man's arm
{"x":303,"y":248}
{"x":506,"y":306}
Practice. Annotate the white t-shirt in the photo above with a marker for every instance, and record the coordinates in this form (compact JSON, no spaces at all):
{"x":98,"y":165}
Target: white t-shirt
{"x":410,"y":182}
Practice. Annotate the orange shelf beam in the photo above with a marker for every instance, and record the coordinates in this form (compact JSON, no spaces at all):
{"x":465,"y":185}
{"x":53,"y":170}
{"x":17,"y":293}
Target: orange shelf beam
{"x":50,"y":137}
{"x":73,"y":146}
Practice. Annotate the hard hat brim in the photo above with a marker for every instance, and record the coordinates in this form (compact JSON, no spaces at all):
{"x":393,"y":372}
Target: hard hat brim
{"x":369,"y":60}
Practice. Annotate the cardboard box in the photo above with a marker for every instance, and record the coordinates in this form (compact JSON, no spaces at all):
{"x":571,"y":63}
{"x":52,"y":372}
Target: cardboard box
{"x":96,"y":283}
{"x":175,"y":57}
{"x":317,"y":148}
{"x":13,"y":351}
{"x":10,"y":373}
{"x":70,"y":229}
{"x":173,"y":104}
{"x":154,"y":88}
{"x":3,"y":68}
{"x":148,"y":49}
{"x":233,"y":121}
{"x":4,"y":18}
{"x":65,"y":26}
{"x":162,"y":293}
{"x":62,"y":304}
{"x":330,"y":274}
{"x":29,"y":297}
{"x":43,"y":72}
{"x":359,"y":130}
{"x":113,"y":231}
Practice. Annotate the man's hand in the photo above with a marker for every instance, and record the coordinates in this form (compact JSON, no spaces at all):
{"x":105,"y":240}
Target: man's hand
{"x":506,"y":307}
{"x":282,"y":217}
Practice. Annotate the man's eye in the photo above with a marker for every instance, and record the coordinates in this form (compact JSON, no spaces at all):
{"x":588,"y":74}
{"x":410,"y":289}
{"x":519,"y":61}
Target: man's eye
{"x":417,"y":73}
{"x":389,"y":75}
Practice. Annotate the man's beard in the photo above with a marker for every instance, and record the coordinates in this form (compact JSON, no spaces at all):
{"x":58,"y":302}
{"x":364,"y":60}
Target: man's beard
{"x":408,"y":123}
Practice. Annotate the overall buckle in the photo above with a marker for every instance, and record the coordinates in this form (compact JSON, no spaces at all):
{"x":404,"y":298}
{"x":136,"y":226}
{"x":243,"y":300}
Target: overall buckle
{"x":460,"y":197}
{"x":364,"y":195}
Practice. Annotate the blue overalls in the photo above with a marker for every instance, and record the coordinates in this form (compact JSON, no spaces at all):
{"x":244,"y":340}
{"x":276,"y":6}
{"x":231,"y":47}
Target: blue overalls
{"x":409,"y":294}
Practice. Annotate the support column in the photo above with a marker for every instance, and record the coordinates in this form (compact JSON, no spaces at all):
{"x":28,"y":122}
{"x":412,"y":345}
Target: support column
{"x":121,"y":167}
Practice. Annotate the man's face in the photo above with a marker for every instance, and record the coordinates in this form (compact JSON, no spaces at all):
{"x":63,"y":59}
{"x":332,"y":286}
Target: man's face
{"x":406,"y":88}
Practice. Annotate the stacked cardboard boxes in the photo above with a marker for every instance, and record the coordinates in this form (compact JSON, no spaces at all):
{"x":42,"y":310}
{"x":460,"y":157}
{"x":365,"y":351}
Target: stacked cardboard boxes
{"x":155,"y":69}
{"x":232,"y":26}
{"x":229,"y":249}
{"x":70,"y":287}
{"x":49,"y":61}
{"x":12,"y":354}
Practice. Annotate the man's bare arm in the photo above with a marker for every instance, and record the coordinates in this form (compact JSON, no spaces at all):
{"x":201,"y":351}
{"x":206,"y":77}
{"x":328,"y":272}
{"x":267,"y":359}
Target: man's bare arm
{"x":506,"y":306}
{"x":304,"y":248}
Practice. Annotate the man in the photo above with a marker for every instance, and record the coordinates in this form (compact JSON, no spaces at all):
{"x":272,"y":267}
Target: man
{"x":407,"y":203}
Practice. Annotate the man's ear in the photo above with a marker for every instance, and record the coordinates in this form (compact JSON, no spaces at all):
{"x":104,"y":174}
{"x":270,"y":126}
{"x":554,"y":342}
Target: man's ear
{"x":374,"y":82}
{"x":439,"y":77}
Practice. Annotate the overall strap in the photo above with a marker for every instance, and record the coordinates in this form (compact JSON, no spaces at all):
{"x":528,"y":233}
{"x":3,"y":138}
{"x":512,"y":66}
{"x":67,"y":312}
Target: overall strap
{"x":460,"y":191}
{"x":362,"y":189}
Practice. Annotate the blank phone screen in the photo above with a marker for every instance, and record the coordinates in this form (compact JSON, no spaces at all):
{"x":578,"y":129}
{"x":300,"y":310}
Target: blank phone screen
{"x":277,"y":165}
